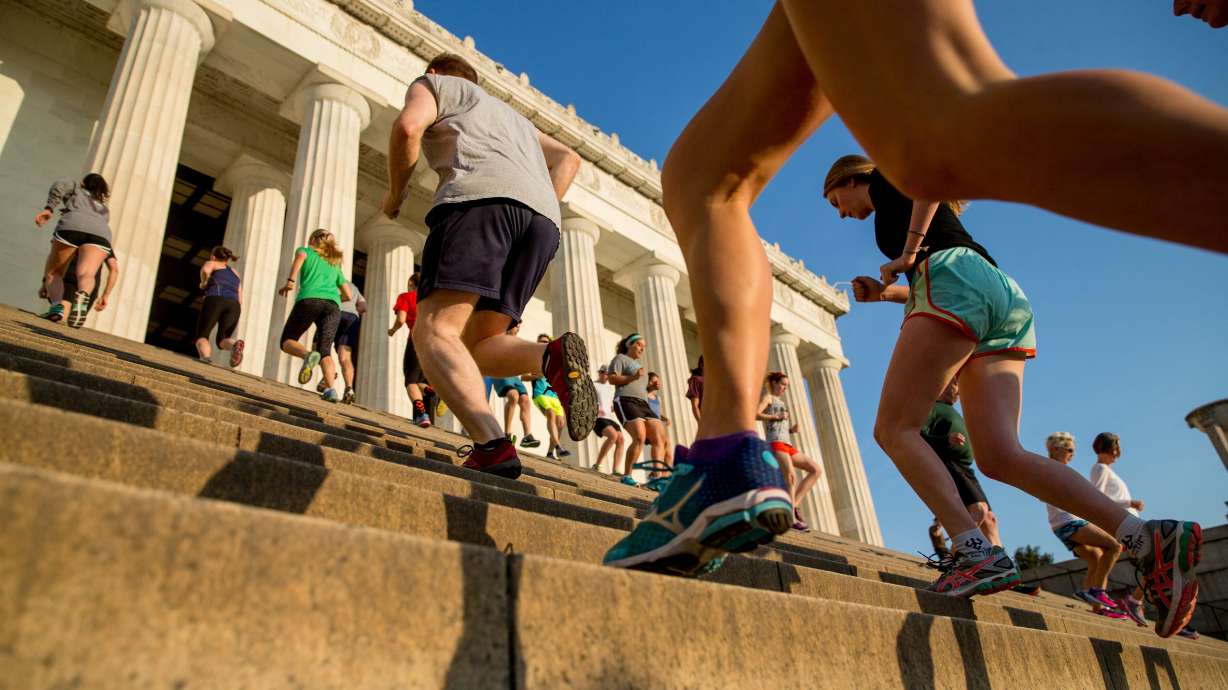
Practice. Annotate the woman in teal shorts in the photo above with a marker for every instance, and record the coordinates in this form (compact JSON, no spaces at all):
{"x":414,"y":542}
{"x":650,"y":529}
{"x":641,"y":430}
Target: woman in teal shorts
{"x":964,"y":316}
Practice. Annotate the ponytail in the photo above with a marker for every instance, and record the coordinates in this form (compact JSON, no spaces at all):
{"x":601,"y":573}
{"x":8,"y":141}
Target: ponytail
{"x":325,"y":244}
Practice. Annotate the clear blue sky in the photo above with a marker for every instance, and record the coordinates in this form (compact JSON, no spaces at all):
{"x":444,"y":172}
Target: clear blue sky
{"x":1132,"y":332}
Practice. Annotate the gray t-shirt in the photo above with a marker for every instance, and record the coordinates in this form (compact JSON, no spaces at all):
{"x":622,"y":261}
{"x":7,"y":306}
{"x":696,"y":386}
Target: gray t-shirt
{"x":351,"y":306}
{"x":79,"y":210}
{"x":622,"y":365}
{"x":776,"y":430}
{"x":483,"y":149}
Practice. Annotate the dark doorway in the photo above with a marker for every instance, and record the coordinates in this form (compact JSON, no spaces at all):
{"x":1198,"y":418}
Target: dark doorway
{"x":195,"y":224}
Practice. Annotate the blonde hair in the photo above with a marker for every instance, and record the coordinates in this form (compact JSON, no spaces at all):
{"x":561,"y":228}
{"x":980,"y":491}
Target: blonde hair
{"x":1059,"y":437}
{"x":325,"y":244}
{"x":857,"y":167}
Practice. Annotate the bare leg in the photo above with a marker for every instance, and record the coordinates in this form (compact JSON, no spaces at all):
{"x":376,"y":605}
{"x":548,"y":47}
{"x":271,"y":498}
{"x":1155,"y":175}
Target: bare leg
{"x":295,"y":349}
{"x":202,"y":348}
{"x":992,"y":389}
{"x":329,"y":369}
{"x":526,"y":417}
{"x":655,"y":435}
{"x":1105,"y":545}
{"x":786,"y":469}
{"x":635,"y":449}
{"x":495,"y":352}
{"x":53,"y":271}
{"x":414,"y":391}
{"x":511,"y":402}
{"x":89,"y":260}
{"x":448,"y":364}
{"x":552,"y":428}
{"x":986,"y":520}
{"x":926,"y":358}
{"x":1094,"y":126}
{"x":346,"y":355}
{"x":1092,"y":557}
{"x":804,"y":462}
{"x":708,"y":192}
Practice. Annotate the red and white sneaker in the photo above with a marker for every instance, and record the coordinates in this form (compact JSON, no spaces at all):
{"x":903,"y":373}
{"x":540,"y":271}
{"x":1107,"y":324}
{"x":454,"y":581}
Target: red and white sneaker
{"x":236,"y":353}
{"x":501,"y":460}
{"x":565,"y":366}
{"x":967,"y":575}
{"x":1168,"y":574}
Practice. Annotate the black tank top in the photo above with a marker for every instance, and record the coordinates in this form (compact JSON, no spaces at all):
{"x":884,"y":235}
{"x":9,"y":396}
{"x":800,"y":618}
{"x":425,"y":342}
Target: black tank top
{"x":893,"y":213}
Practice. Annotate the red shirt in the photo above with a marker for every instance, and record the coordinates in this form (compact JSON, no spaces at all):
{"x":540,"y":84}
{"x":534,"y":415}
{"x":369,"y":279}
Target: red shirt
{"x":408,"y":303}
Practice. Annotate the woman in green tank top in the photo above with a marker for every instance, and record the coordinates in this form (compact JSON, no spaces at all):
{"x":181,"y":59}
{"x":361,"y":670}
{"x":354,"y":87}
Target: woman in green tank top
{"x":321,"y":287}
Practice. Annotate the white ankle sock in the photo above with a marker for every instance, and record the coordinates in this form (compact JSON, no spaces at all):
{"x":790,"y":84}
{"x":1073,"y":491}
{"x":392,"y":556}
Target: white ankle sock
{"x":1132,"y":533}
{"x":972,"y":543}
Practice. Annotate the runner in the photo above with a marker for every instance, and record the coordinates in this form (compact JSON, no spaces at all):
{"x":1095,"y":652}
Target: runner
{"x":1107,"y":447}
{"x":406,"y":311}
{"x":321,"y":287}
{"x":494,"y":226}
{"x":916,"y":96}
{"x":630,"y":377}
{"x":654,"y":402}
{"x":695,"y":389}
{"x":946,"y":433}
{"x":515,"y":398}
{"x":963,"y":313}
{"x":221,"y":308}
{"x":98,"y":302}
{"x":607,"y":427}
{"x":779,"y":433}
{"x":547,"y":402}
{"x":348,"y":328}
{"x":84,"y":230}
{"x":1086,"y":541}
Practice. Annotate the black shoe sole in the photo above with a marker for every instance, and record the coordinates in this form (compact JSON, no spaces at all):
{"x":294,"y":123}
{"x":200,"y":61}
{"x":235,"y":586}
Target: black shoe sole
{"x":774,"y":522}
{"x":508,"y":470}
{"x":581,"y":408}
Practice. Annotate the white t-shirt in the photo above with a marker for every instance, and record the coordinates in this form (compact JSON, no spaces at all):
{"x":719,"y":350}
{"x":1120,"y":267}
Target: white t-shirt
{"x":605,"y":400}
{"x":1108,"y":483}
{"x":1059,"y":517}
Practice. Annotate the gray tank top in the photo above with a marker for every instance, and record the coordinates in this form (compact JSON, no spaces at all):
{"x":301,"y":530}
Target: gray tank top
{"x":776,"y":431}
{"x":483,"y":149}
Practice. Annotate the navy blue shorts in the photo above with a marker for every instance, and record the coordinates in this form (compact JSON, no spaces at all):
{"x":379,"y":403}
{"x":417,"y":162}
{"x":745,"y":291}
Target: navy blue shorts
{"x":497,"y":249}
{"x":347,"y":331}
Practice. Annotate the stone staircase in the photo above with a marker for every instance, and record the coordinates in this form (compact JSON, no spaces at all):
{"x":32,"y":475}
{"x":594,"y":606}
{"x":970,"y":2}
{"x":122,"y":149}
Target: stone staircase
{"x":176,"y":525}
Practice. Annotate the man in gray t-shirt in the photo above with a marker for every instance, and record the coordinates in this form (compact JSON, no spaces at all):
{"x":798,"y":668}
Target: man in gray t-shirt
{"x":494,"y":227}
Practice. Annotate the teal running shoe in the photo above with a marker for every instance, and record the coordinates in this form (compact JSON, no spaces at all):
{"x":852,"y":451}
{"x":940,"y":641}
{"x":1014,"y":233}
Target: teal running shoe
{"x":628,"y":480}
{"x":711,"y":506}
{"x":309,"y":363}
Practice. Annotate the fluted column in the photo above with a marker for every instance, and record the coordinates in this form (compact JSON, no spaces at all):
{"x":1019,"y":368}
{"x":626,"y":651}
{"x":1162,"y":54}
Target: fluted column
{"x":847,"y":477}
{"x":324,"y":191}
{"x":390,"y":263}
{"x":576,"y":301}
{"x":136,"y":145}
{"x":817,"y":506}
{"x":656,"y":310}
{"x":257,"y":193}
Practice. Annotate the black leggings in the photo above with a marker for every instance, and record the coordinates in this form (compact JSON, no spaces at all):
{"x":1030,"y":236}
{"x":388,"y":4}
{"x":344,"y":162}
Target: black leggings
{"x":325,"y":314}
{"x":222,"y":312}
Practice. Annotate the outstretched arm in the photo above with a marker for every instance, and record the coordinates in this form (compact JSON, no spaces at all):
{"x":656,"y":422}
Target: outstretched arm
{"x":562,"y":162}
{"x":405,"y":143}
{"x":299,"y":258}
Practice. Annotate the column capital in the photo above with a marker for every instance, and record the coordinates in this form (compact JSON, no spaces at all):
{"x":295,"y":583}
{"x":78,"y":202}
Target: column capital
{"x":126,"y":10}
{"x":823,"y":359}
{"x":639,"y":271}
{"x":381,"y":228}
{"x":317,"y":86}
{"x":249,"y":168}
{"x":782,"y":336}
{"x":580,"y":224}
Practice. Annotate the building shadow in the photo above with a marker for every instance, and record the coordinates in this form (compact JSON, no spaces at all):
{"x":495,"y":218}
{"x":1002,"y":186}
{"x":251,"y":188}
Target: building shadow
{"x":1112,"y":669}
{"x":1155,"y":660}
{"x":262,"y":480}
{"x":1022,"y":618}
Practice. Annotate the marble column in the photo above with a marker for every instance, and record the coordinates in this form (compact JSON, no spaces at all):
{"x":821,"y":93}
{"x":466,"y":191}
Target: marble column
{"x":576,"y":303}
{"x":817,"y":506}
{"x":137,"y":141}
{"x":257,"y":193}
{"x":1212,"y":420}
{"x":323,"y":192}
{"x":390,"y":263}
{"x":846,"y":476}
{"x":658,"y":320}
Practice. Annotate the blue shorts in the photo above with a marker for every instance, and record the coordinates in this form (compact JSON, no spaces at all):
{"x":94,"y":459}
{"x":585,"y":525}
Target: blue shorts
{"x":502,"y":386}
{"x":1066,"y":531}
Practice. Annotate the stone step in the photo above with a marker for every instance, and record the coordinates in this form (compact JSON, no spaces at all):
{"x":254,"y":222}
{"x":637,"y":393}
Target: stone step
{"x":355,"y":491}
{"x":108,"y":586}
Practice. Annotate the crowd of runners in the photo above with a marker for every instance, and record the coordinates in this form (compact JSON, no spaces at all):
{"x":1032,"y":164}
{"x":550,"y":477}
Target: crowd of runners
{"x":967,"y":330}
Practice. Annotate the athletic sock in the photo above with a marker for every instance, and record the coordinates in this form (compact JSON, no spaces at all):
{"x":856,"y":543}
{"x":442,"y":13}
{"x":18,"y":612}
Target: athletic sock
{"x":419,"y":407}
{"x":972,"y":543}
{"x":719,"y":446}
{"x":1132,"y":533}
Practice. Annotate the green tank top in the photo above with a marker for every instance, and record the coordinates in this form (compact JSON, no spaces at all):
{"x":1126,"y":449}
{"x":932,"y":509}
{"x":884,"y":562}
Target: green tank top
{"x":318,"y":279}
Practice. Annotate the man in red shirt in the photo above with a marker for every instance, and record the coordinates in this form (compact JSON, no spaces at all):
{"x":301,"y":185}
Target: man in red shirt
{"x":406,"y":310}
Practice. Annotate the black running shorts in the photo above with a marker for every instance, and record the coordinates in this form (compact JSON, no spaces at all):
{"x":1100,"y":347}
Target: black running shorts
{"x":966,"y":483}
{"x":631,"y":409}
{"x":222,"y":312}
{"x":324,"y":314}
{"x":347,"y":330}
{"x":602,"y":424}
{"x":497,"y":249}
{"x":75,"y":238}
